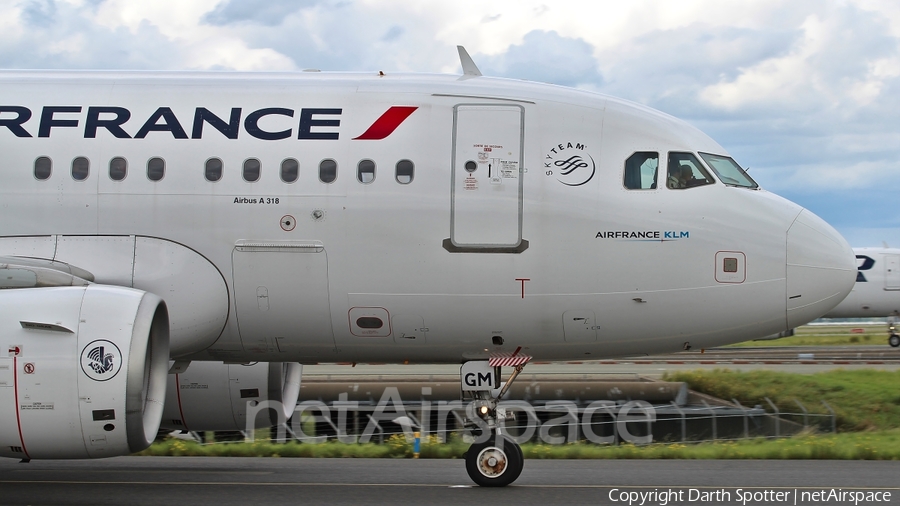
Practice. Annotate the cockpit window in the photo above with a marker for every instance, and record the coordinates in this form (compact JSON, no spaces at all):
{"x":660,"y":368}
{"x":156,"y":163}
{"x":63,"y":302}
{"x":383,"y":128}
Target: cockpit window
{"x":686,"y":171}
{"x":729,"y":171}
{"x":641,"y":169}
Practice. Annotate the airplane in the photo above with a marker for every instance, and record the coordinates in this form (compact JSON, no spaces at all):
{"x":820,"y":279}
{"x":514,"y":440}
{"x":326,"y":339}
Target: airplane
{"x":877,"y":289}
{"x":154,"y":220}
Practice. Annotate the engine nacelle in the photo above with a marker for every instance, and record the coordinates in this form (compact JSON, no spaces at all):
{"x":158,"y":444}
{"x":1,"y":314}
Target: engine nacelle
{"x":85,"y":373}
{"x":215,"y":396}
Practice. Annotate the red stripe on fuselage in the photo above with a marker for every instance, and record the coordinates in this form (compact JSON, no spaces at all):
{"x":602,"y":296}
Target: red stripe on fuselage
{"x":387,"y":123}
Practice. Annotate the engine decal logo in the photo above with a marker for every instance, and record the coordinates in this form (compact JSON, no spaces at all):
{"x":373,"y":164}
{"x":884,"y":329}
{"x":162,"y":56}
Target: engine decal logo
{"x":101,"y":360}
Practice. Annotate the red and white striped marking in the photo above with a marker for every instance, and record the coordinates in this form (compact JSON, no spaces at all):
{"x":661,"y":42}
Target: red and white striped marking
{"x":508,"y":359}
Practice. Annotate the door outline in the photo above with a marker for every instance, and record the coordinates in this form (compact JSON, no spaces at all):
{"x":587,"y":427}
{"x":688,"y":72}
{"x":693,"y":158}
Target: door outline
{"x":450,"y":244}
{"x":295,"y":255}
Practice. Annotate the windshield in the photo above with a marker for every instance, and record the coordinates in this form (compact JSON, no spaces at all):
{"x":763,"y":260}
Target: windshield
{"x":729,"y":172}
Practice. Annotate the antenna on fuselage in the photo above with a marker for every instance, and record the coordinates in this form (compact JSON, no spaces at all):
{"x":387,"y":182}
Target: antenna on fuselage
{"x":468,"y":65}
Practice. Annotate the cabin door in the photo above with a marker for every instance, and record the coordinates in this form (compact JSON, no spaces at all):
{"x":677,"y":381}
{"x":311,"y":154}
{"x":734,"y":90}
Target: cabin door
{"x":486,"y":191}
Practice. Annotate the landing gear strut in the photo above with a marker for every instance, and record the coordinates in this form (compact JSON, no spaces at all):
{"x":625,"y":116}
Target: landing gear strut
{"x":893,"y":338}
{"x":495,"y":459}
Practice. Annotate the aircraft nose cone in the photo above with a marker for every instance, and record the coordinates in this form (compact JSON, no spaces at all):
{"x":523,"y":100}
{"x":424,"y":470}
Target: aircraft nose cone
{"x":821,"y":269}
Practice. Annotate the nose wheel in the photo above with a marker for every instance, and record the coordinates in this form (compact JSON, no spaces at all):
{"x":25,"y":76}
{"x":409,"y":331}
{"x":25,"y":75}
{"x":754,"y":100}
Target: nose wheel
{"x":894,"y":340}
{"x":496,"y":462}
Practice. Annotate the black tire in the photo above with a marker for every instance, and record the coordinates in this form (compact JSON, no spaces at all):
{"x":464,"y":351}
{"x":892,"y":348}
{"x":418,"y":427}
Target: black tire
{"x":894,"y":340}
{"x":494,"y":463}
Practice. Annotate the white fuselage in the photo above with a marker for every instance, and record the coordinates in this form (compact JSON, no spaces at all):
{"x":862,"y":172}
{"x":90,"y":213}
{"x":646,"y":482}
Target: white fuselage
{"x":877,"y":289}
{"x":551,"y":253}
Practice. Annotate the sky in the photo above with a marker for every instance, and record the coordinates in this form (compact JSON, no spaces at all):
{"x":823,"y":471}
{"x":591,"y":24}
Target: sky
{"x":805,"y":93}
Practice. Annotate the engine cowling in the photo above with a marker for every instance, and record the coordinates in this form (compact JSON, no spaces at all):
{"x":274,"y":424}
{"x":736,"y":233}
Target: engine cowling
{"x":85,"y":373}
{"x":217,"y":396}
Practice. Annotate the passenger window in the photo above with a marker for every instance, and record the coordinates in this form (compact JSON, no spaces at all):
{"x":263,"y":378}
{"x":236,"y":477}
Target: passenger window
{"x":290,"y":170}
{"x":81,"y":167}
{"x":365,"y":171}
{"x":118,"y":168}
{"x":252,"y":168}
{"x":641,"y":170}
{"x":729,"y":172}
{"x":156,"y":168}
{"x":405,"y":171}
{"x":327,"y":171}
{"x":213,"y":171}
{"x":43,"y":166}
{"x":686,"y":171}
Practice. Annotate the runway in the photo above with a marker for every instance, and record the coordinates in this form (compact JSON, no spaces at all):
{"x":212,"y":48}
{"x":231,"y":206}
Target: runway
{"x":271,"y":481}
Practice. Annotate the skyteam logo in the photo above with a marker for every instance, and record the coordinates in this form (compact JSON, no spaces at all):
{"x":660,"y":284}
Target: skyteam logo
{"x":570,"y":164}
{"x":101,"y":360}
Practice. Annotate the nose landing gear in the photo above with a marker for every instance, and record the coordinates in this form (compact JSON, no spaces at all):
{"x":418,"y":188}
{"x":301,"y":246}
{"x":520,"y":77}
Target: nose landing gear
{"x":893,"y":338}
{"x":495,"y":459}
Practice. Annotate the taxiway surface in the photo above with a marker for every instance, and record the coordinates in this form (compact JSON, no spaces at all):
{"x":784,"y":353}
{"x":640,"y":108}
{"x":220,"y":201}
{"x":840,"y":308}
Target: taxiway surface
{"x":272,"y":481}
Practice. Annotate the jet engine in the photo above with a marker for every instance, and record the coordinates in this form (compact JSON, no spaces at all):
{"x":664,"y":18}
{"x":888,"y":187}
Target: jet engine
{"x":82,"y":371}
{"x":219,"y":396}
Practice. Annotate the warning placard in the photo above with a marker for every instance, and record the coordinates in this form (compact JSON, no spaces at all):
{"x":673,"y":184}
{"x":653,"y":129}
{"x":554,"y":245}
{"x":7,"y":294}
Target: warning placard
{"x":509,"y":169}
{"x":34,"y":406}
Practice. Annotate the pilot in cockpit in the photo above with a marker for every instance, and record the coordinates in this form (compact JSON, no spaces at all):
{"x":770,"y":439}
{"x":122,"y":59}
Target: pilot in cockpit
{"x":674,"y":180}
{"x":687,"y":177}
{"x":680,"y":176}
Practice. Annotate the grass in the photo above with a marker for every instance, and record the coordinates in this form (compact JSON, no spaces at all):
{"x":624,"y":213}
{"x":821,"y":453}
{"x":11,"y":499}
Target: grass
{"x":862,"y":399}
{"x":882,"y":445}
{"x":866,"y":402}
{"x":827,"y":335}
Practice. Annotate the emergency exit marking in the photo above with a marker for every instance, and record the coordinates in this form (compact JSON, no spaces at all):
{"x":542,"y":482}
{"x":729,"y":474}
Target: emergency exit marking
{"x":29,"y":368}
{"x":15,"y":350}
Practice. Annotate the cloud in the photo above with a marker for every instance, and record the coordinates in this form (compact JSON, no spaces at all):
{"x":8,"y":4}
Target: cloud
{"x":63,"y":35}
{"x":268,"y":13}
{"x":357,"y":37}
{"x":36,"y":13}
{"x":546,"y":57}
{"x":822,"y":68}
{"x":669,"y":69}
{"x":115,"y":34}
{"x":393,"y":33}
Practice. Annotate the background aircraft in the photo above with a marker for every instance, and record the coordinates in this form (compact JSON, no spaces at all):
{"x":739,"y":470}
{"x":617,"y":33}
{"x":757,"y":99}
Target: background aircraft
{"x":877,"y":289}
